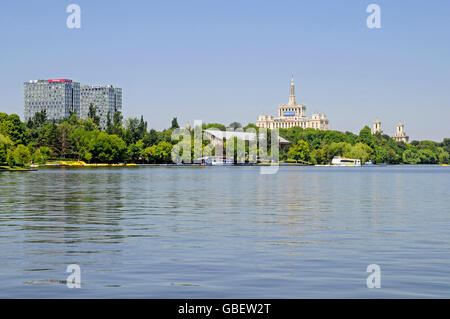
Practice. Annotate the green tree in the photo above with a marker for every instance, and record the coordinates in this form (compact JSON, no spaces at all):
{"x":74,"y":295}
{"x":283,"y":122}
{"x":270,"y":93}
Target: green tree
{"x":82,"y":141}
{"x":108,"y":123}
{"x":107,"y":148}
{"x":446,"y":145}
{"x":10,"y":158}
{"x":135,"y":130}
{"x":142,"y":127}
{"x":150,"y":139}
{"x":134,"y":151}
{"x":318,"y":156}
{"x":214,"y":125}
{"x":411,"y":156}
{"x":174,"y":123}
{"x":46,"y":152}
{"x":384,"y":155}
{"x":5,"y":144}
{"x":427,"y":156}
{"x":117,"y":127}
{"x":47,"y":135}
{"x":299,"y":152}
{"x":158,"y":153}
{"x":251,"y":125}
{"x":38,"y":157}
{"x":360,"y":151}
{"x":40,"y":118}
{"x":10,"y":125}
{"x":336,"y":149}
{"x":147,"y":154}
{"x":63,"y":143}
{"x":444,"y":157}
{"x":366,"y":137}
{"x":92,"y":114}
{"x":22,"y":156}
{"x":235,"y":125}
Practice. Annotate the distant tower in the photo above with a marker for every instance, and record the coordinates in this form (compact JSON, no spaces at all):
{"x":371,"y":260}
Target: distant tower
{"x":293,"y":115}
{"x":400,"y":135}
{"x":292,"y":110}
{"x":292,"y":96}
{"x":377,"y":127}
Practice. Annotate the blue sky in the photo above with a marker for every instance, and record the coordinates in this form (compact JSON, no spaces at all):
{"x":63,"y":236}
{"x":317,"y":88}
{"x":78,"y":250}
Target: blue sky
{"x":224,"y":61}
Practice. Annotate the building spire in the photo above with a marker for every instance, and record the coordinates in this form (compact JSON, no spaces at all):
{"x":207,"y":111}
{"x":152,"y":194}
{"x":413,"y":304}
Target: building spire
{"x":292,"y":96}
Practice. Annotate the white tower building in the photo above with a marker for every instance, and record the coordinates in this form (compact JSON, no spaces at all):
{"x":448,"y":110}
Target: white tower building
{"x":400,"y":135}
{"x":377,"y":127}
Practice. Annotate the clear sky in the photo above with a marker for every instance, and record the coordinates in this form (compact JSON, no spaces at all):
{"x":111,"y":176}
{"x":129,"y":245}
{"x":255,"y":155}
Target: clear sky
{"x":224,"y":61}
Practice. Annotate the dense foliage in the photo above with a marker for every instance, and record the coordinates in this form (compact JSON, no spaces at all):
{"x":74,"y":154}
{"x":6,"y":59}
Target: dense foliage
{"x":319,"y":147}
{"x":40,"y":140}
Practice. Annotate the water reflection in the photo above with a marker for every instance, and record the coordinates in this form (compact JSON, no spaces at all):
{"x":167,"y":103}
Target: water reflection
{"x":224,"y":232}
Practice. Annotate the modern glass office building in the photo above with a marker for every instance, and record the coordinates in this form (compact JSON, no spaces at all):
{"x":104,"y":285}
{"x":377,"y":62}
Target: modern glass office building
{"x":62,"y":96}
{"x":59,"y":97}
{"x":107,"y":99}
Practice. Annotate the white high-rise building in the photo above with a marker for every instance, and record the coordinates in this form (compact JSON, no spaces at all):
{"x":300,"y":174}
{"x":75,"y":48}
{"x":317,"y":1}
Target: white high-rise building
{"x":58,"y":97}
{"x":61,"y":97}
{"x":104,"y":98}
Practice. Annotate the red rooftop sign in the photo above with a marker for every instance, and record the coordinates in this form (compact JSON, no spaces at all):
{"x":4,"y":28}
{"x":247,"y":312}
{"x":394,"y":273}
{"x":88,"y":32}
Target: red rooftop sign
{"x":60,"y":81}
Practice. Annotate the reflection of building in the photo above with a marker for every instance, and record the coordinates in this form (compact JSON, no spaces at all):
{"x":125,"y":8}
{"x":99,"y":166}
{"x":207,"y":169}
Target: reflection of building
{"x":400,"y":135}
{"x":293,"y":115}
{"x":107,"y":99}
{"x":377,"y":127}
{"x":58,"y":97}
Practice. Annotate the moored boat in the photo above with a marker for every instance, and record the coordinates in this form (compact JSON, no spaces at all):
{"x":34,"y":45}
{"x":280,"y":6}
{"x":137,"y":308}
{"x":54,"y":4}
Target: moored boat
{"x":343,"y":161}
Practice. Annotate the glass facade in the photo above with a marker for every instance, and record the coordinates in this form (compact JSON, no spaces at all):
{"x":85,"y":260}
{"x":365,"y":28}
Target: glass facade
{"x":61,"y":97}
{"x":58,"y":97}
{"x":104,"y":98}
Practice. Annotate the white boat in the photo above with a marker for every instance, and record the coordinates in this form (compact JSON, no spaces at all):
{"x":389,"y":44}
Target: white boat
{"x":343,"y":161}
{"x":215,"y":161}
{"x":220,"y":162}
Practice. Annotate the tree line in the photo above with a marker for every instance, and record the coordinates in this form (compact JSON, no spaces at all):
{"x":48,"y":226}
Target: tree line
{"x":39,"y":140}
{"x":319,"y":147}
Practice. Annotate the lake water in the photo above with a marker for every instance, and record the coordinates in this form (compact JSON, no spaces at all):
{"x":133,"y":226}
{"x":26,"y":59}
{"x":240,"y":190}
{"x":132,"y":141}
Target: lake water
{"x":230,"y":232}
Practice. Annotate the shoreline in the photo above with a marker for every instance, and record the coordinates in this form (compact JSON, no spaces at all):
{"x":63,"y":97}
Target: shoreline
{"x":40,"y":167}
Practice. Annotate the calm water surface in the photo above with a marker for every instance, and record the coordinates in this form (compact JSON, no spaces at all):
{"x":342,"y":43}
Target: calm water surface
{"x":177,"y":232}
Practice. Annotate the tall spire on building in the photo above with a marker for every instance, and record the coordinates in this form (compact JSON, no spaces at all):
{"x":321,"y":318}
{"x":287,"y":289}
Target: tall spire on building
{"x":292,"y":97}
